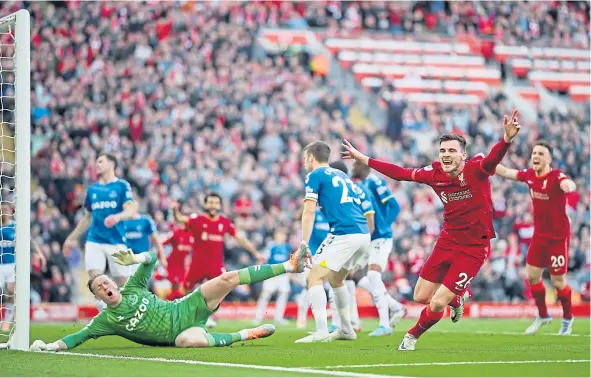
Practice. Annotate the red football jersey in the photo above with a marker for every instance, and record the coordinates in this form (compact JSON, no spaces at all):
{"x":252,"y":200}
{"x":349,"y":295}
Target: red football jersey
{"x":549,"y":201}
{"x":467,"y":202}
{"x":209,"y":238}
{"x":182,"y":241}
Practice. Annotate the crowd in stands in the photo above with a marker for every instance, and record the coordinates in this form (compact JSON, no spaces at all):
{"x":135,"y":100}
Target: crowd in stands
{"x":173,"y":91}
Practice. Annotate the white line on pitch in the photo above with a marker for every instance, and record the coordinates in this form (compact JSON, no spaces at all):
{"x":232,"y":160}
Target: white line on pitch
{"x":225,"y":364}
{"x":509,"y":333}
{"x":458,"y":363}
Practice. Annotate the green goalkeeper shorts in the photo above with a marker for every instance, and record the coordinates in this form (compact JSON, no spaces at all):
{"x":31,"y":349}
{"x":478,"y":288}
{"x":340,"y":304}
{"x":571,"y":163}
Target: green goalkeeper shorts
{"x":192,"y":311}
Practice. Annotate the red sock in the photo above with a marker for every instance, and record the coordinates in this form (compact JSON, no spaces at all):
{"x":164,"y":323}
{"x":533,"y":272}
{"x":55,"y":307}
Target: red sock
{"x":538,"y":291}
{"x":564,"y":296}
{"x":427,"y":320}
{"x":456,"y":302}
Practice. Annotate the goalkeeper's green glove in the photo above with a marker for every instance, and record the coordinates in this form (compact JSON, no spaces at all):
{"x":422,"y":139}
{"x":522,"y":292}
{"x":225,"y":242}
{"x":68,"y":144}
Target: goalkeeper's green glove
{"x":40,"y":346}
{"x":126,"y":258}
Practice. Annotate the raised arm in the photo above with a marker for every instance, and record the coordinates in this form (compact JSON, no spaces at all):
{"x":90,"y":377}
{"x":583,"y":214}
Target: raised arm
{"x":497,"y":153}
{"x":178,"y":216}
{"x":507,"y":173}
{"x":391,"y":170}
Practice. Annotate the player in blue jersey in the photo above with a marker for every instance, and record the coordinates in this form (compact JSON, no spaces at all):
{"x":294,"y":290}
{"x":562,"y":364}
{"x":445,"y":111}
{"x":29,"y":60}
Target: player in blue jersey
{"x":8,"y":263}
{"x":386,"y":211}
{"x":141,"y":235}
{"x":368,"y":206}
{"x":345,"y":248}
{"x":108,"y":203}
{"x":278,"y":252}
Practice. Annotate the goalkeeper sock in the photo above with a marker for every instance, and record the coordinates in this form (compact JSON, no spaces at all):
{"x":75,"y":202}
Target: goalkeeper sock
{"x":538,"y":291}
{"x":223,"y":339}
{"x":564,"y":296}
{"x":259,"y":273}
{"x":427,"y":319}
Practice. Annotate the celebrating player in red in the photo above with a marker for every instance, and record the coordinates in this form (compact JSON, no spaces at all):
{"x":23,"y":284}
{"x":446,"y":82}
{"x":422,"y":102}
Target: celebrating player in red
{"x":550,"y":242}
{"x":181,"y":241}
{"x":209,"y":230}
{"x":464,"y":242}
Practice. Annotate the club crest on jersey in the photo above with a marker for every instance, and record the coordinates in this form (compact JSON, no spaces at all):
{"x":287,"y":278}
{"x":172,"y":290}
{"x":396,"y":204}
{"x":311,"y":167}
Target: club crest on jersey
{"x":461,"y":178}
{"x":112,"y":194}
{"x":133,"y":299}
{"x":220,"y":227}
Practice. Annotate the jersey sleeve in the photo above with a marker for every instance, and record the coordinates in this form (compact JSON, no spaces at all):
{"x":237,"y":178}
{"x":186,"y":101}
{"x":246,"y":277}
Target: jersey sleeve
{"x":87,"y":204}
{"x":522,"y":175}
{"x":143,"y":273}
{"x":381,"y":189}
{"x":423,"y":175}
{"x":169,"y":240}
{"x":231,"y":228}
{"x":151,"y":226}
{"x":366,"y":202}
{"x":312,"y":187}
{"x":560,"y":177}
{"x":97,"y":327}
{"x":126,"y":193}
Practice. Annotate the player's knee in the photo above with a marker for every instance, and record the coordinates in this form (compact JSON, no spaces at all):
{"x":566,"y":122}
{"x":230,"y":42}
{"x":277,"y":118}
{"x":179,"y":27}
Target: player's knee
{"x":558,"y":282}
{"x":191,"y":342}
{"x":420,"y":298}
{"x":374,"y":267}
{"x":438,"y":304}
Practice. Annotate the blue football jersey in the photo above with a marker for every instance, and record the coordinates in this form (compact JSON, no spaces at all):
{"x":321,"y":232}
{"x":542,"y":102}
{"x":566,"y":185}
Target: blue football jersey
{"x":387,"y":203}
{"x":7,"y":235}
{"x":335,"y":193}
{"x":319,"y":232}
{"x":101,"y":201}
{"x":279,"y":253}
{"x":137,"y":233}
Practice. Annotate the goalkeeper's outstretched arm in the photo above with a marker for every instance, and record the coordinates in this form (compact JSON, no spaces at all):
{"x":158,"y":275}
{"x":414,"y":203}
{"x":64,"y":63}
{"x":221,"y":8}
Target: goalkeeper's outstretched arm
{"x":68,"y":342}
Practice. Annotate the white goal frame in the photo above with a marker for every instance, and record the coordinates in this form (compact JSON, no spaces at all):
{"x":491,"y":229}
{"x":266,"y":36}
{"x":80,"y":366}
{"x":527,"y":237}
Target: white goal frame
{"x":20,"y":22}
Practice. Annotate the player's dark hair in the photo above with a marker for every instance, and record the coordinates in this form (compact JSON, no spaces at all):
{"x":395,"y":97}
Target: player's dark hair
{"x":109,"y":157}
{"x":457,"y":137}
{"x":338,"y":164}
{"x":545,"y":143}
{"x":320,"y":150}
{"x":360,"y":171}
{"x":212,"y":194}
{"x":91,"y":281}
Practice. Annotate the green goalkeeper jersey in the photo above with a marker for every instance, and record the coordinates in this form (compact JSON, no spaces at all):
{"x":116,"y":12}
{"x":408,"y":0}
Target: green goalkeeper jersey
{"x":144,"y":318}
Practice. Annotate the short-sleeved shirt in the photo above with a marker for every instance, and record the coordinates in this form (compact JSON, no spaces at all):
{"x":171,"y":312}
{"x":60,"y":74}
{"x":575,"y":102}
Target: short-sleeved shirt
{"x":550,"y":219}
{"x":467,"y":203}
{"x":101,"y":201}
{"x":209,"y":236}
{"x":138,"y":232}
{"x":334,"y":192}
{"x":387,"y":207}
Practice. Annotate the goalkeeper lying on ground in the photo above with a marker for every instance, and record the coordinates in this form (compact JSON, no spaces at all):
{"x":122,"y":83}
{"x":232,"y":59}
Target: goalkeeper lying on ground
{"x":138,"y":315}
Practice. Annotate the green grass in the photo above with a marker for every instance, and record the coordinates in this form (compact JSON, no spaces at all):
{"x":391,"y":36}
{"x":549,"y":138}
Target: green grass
{"x":471,"y":342}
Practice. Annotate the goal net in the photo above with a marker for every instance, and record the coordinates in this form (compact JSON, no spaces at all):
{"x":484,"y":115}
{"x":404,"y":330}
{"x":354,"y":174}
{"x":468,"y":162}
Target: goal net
{"x":15,"y":176}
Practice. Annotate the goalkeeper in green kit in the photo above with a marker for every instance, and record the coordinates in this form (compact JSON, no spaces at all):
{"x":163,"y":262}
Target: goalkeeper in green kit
{"x":138,"y":315}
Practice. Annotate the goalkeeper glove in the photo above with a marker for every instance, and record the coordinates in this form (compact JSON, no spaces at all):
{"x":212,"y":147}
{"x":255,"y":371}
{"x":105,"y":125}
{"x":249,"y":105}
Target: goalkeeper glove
{"x":39,"y":346}
{"x":125,"y":258}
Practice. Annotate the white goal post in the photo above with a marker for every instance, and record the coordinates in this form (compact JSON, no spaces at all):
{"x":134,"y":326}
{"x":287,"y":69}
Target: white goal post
{"x":18,"y":28}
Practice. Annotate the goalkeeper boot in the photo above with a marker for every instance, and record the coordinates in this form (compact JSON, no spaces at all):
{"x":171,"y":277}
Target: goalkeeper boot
{"x":298,"y":259}
{"x":408,"y":342}
{"x":456,"y":313}
{"x":381,"y":331}
{"x":567,"y":326}
{"x":260,"y":332}
{"x":537,"y":324}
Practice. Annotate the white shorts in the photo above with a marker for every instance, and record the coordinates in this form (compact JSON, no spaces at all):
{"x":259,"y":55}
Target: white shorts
{"x":380,"y":251}
{"x":349,"y":252}
{"x":277,"y":283}
{"x":7,"y":274}
{"x":97,"y":256}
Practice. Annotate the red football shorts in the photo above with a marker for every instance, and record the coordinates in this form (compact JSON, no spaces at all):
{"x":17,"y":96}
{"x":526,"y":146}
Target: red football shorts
{"x":197,"y":274}
{"x":549,"y":253}
{"x":452,"y":267}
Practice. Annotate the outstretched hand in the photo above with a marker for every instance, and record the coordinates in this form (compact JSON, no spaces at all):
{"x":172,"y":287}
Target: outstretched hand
{"x":124,"y":258}
{"x":511,"y":126}
{"x":351,"y":152}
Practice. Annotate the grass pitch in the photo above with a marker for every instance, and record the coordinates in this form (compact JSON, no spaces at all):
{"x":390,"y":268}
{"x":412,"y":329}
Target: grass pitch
{"x":476,"y":348}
